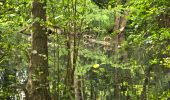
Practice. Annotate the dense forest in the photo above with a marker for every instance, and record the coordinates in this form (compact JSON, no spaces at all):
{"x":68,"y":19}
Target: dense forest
{"x":84,"y":50}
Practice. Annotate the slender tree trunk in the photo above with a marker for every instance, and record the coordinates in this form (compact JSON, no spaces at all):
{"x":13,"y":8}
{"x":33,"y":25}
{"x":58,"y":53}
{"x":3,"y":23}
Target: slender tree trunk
{"x":77,"y":82}
{"x":83,"y":88}
{"x":145,"y":85}
{"x":117,"y":42}
{"x":77,"y":85}
{"x":69,"y":81}
{"x":37,"y":85}
{"x":70,"y":70}
{"x":119,"y":27}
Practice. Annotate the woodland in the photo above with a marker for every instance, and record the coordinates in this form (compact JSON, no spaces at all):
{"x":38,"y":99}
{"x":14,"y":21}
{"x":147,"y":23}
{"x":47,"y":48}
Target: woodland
{"x":84,"y":50}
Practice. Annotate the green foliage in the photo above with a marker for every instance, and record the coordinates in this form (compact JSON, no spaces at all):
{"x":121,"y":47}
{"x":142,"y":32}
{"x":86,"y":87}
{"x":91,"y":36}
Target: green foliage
{"x":147,"y":38}
{"x":100,"y":20}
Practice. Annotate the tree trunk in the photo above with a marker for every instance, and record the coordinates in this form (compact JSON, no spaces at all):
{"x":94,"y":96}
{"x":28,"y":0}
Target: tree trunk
{"x":119,"y":27}
{"x":117,"y":43}
{"x":37,"y":85}
{"x":70,"y":70}
{"x":83,"y":88}
{"x":77,"y":85}
{"x":146,"y":84}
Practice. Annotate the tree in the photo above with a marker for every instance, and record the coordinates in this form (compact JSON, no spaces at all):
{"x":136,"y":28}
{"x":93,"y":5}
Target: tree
{"x":37,"y":84}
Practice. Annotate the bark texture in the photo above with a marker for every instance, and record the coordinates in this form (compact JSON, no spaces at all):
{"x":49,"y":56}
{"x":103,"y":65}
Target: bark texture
{"x":37,"y":85}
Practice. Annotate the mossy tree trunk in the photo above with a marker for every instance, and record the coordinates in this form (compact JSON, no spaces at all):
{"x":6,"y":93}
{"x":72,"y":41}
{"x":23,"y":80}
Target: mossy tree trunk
{"x":37,"y":85}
